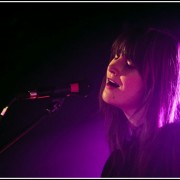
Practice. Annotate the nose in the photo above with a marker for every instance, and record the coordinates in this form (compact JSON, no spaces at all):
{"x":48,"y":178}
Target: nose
{"x":113,"y":69}
{"x":116,"y":66}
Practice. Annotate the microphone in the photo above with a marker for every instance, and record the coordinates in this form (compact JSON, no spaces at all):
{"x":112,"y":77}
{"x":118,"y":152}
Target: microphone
{"x":81,"y":88}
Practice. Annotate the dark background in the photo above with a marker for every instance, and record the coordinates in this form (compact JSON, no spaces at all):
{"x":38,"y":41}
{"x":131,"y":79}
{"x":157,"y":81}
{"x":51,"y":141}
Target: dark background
{"x":48,"y":44}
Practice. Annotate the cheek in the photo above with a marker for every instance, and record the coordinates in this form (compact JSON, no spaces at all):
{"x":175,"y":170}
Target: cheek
{"x":130,"y":93}
{"x":133,"y":85}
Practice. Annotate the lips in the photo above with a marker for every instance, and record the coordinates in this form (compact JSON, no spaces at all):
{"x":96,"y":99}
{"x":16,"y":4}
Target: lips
{"x":112,"y":83}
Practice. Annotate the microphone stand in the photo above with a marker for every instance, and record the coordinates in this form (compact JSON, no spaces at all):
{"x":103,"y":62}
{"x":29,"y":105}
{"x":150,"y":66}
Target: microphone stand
{"x":56,"y":104}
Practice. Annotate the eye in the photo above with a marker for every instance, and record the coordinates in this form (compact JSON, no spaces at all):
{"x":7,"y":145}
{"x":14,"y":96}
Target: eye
{"x":130,"y":64}
{"x":122,"y":54}
{"x":116,"y":57}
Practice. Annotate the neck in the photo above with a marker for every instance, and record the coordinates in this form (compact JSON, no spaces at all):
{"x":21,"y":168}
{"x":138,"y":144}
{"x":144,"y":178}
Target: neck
{"x":135,"y":117}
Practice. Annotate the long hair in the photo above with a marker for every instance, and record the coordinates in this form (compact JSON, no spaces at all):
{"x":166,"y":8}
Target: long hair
{"x":155,"y":55}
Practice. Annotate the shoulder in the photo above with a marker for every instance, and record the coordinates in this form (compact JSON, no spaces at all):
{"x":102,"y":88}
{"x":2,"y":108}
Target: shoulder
{"x":170,"y":131}
{"x":112,"y":165}
{"x":165,"y":157}
{"x":168,"y":137}
{"x":170,"y":126}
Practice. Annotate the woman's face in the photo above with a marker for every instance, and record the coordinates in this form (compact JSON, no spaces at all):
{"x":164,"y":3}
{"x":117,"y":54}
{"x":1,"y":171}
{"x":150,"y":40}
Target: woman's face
{"x":124,"y":86}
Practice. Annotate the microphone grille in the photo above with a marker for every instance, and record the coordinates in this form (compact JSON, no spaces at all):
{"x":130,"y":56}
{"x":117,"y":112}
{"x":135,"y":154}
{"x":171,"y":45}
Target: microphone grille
{"x":81,"y":87}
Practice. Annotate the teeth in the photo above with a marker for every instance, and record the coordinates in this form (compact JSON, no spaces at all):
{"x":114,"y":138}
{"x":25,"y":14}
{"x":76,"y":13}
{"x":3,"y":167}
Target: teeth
{"x":112,"y":83}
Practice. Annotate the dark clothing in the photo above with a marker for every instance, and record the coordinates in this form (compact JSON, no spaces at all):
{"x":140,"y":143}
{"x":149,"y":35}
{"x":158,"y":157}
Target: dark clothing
{"x":164,"y":157}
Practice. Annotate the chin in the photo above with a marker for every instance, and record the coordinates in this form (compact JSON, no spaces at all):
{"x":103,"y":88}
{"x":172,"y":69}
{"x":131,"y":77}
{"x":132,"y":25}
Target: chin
{"x":107,"y":99}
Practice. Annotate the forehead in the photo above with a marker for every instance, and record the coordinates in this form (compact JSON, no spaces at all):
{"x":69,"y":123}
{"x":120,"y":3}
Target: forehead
{"x":124,"y":47}
{"x":120,"y":47}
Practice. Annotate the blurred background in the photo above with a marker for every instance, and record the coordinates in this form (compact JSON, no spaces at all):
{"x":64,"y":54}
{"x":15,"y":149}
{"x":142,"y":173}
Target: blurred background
{"x":49,"y":44}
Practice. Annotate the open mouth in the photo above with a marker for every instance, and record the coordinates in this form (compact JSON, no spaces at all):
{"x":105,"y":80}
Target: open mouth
{"x":112,"y":83}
